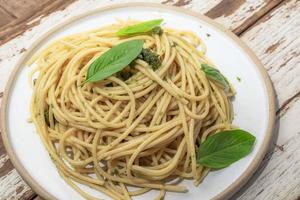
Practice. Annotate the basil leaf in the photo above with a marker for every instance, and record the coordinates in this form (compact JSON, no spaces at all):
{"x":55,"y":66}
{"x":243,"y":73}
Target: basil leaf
{"x":143,"y":27}
{"x":114,"y":60}
{"x":216,"y":75}
{"x":224,"y":148}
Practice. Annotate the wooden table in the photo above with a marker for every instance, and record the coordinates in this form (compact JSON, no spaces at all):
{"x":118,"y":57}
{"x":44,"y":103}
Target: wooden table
{"x":270,"y":27}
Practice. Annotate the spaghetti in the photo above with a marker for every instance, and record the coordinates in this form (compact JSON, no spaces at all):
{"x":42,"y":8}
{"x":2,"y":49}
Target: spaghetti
{"x":116,"y":133}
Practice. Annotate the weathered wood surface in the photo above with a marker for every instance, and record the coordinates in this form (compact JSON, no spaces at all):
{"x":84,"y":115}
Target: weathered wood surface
{"x":270,"y":27}
{"x":5,"y":17}
{"x":275,"y":39}
{"x":25,"y":14}
{"x":279,"y":174}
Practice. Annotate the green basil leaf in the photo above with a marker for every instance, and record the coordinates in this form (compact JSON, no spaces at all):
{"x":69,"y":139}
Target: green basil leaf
{"x":224,"y":148}
{"x":143,"y":27}
{"x":114,"y":60}
{"x":216,"y":75}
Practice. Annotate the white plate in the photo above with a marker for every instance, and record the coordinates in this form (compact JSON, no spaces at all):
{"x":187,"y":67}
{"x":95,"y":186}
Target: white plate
{"x":253,"y":104}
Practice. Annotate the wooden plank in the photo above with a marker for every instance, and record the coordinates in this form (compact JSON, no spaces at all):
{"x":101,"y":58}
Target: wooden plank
{"x":23,"y":8}
{"x":13,"y":188}
{"x":10,"y":186}
{"x":5,"y":17}
{"x":5,"y":164}
{"x":237,"y":15}
{"x":29,"y":19}
{"x":279,"y":174}
{"x":275,"y":40}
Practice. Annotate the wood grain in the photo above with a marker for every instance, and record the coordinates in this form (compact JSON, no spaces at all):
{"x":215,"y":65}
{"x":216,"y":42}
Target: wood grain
{"x":5,"y":17}
{"x":23,"y":8}
{"x":282,"y":169}
{"x":225,"y":8}
{"x":279,"y":175}
{"x":272,"y":35}
{"x":237,"y":15}
{"x":12,"y":188}
{"x":5,"y":164}
{"x":28,"y":14}
{"x":280,"y":54}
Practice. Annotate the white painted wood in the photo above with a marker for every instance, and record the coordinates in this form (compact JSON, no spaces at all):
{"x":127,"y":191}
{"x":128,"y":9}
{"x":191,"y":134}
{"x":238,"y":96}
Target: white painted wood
{"x":3,"y":159}
{"x":242,"y":11}
{"x":276,"y":42}
{"x":11,"y":187}
{"x":279,"y":175}
{"x":280,"y":50}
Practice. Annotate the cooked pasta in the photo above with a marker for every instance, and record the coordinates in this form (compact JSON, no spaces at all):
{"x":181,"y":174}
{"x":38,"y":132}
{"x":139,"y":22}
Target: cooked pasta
{"x":141,"y":131}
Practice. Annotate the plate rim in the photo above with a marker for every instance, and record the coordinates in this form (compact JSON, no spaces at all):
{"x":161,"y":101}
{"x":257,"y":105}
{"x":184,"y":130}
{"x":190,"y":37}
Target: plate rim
{"x":227,"y":192}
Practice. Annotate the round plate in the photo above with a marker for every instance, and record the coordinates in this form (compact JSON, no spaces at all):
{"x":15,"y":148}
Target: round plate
{"x":253,"y":104}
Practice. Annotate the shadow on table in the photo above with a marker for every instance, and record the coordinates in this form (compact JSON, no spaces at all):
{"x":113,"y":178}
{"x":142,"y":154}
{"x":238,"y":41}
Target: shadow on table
{"x":265,"y":160}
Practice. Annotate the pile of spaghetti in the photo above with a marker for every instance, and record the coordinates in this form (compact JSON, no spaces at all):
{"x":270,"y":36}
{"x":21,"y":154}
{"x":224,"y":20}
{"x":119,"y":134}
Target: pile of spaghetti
{"x":142,"y":130}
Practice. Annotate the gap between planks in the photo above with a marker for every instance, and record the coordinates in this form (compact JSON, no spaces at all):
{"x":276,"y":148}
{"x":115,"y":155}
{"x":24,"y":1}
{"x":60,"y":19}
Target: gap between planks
{"x":229,"y":6}
{"x":274,"y":5}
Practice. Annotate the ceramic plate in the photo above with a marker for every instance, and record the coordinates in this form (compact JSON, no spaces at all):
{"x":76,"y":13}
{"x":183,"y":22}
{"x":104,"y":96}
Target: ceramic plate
{"x":253,"y":104}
